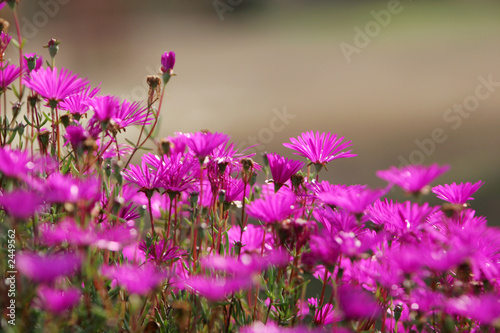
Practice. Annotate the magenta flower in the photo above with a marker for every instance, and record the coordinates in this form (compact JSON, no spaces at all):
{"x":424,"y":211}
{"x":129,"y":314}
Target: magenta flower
{"x":46,"y":268}
{"x":246,"y":264}
{"x":135,"y":279}
{"x":218,"y":288}
{"x":167,"y":62}
{"x":203,"y":143}
{"x":354,"y":198}
{"x":76,"y":135}
{"x":484,"y":308}
{"x":7,"y":75}
{"x":252,"y":238}
{"x":324,"y":316}
{"x":400,"y":218}
{"x":15,"y":163}
{"x":320,"y":148}
{"x":161,"y":252}
{"x":104,"y":107}
{"x":175,"y":173}
{"x":21,"y":204}
{"x":272,"y":208}
{"x":147,"y":178}
{"x":58,"y":300}
{"x":129,"y":114}
{"x":54,"y":85}
{"x":413,"y":178}
{"x":66,"y":231}
{"x":282,"y":169}
{"x":77,"y":104}
{"x":60,"y":188}
{"x":457,"y":194}
{"x":357,"y":303}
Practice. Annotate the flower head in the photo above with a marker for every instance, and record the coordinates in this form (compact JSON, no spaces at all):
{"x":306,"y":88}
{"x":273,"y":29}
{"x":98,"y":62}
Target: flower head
{"x":282,"y":169}
{"x":7,"y":75}
{"x":272,"y":208}
{"x":54,"y":85}
{"x":203,"y":143}
{"x":320,"y":148}
{"x":77,"y":104}
{"x":135,"y":279}
{"x":413,"y":178}
{"x":46,"y":268}
{"x":58,"y":300}
{"x":21,"y":204}
{"x":457,"y":193}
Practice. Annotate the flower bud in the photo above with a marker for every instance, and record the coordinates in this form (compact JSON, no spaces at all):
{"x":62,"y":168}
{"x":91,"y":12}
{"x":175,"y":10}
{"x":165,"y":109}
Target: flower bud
{"x":167,"y":65}
{"x":16,"y":107}
{"x":43,"y":140}
{"x":53,"y":46}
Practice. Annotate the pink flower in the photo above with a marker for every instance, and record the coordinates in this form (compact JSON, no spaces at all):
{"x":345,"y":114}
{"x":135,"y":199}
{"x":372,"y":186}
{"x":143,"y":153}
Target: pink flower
{"x":58,"y":300}
{"x":320,"y":148}
{"x":457,"y":194}
{"x":203,"y":143}
{"x":77,"y":104}
{"x":282,"y":169}
{"x":272,"y":208}
{"x":21,"y":204}
{"x":218,"y":288}
{"x":46,"y":268}
{"x":54,"y":85}
{"x":7,"y":75}
{"x":135,"y":279}
{"x":413,"y":178}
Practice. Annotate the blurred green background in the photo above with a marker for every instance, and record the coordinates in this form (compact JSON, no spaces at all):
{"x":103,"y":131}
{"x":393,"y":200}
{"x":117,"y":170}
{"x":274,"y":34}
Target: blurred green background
{"x":269,"y":70}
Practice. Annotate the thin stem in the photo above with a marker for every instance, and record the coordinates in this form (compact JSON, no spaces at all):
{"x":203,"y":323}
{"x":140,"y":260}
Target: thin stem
{"x":21,"y":59}
{"x":151,"y":216}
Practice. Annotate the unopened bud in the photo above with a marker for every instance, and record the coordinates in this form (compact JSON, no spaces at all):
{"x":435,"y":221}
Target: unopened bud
{"x":53,"y":46}
{"x":16,"y":107}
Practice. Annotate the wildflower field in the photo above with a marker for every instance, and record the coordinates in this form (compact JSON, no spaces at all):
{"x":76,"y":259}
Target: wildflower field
{"x":101,"y":234}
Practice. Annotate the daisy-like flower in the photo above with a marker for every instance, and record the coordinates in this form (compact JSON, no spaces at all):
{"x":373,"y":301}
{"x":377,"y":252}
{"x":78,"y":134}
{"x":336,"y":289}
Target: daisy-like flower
{"x":15,"y":163}
{"x":356,"y":303}
{"x":21,"y":204}
{"x":203,"y":143}
{"x":218,"y":288}
{"x":413,"y":178}
{"x":144,"y":176}
{"x":135,"y":279}
{"x":104,"y":107}
{"x":354,"y":198}
{"x":272,"y":208}
{"x":320,"y":148}
{"x":7,"y":75}
{"x":77,"y":104}
{"x":282,"y":169}
{"x":457,"y":193}
{"x":58,"y":300}
{"x":54,"y":85}
{"x":251,"y":240}
{"x":46,"y":268}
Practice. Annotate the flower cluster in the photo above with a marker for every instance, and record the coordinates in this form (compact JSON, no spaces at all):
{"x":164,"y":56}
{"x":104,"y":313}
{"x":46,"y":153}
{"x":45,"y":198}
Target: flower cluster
{"x":188,"y":238}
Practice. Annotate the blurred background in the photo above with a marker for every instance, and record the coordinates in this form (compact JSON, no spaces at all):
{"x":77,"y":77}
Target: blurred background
{"x":405,"y":81}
